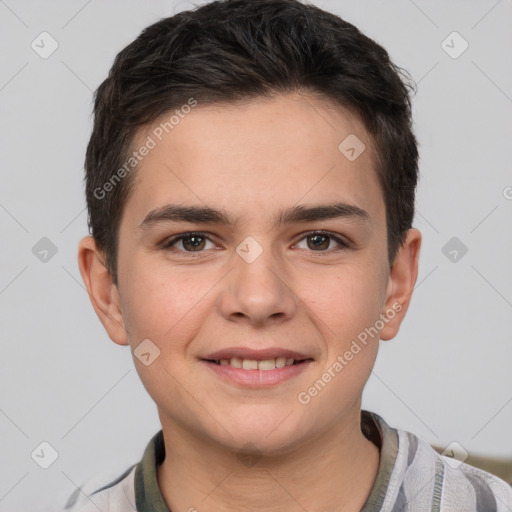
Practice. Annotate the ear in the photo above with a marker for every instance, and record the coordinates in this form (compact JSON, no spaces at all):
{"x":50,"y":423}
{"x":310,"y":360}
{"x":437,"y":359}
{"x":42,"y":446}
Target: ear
{"x":402,"y":278}
{"x":103,"y":293}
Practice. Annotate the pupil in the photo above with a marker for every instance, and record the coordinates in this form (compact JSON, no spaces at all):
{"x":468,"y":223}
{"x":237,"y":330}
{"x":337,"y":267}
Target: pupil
{"x":193,"y":244}
{"x":317,"y":240}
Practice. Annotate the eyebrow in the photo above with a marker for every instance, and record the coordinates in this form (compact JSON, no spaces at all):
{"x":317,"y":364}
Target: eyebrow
{"x":295,"y":214}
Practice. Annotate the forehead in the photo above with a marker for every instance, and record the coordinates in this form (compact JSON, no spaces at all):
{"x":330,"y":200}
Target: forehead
{"x":256,"y":156}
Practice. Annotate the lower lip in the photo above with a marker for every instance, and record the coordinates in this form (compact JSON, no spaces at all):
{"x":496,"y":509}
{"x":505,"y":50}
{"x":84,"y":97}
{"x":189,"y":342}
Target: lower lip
{"x":257,"y":378}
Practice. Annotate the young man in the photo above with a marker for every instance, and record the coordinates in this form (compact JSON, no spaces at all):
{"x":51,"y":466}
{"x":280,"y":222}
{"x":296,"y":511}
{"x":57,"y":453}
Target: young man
{"x":250,"y":183}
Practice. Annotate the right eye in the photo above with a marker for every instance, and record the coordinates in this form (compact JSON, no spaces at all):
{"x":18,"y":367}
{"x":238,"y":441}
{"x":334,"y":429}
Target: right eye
{"x":190,"y":242}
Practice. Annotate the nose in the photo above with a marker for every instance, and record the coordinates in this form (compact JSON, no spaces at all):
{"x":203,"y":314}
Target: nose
{"x":257,"y":292}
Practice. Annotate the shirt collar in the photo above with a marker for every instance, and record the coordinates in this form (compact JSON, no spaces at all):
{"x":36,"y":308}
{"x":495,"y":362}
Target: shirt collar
{"x":148,"y":497}
{"x":386,"y":438}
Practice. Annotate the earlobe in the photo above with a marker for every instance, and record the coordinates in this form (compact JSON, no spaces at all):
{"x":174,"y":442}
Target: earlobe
{"x":103,"y":294}
{"x":402,"y":279}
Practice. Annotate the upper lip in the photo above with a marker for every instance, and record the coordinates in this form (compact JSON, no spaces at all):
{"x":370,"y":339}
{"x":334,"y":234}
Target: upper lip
{"x":258,"y":354}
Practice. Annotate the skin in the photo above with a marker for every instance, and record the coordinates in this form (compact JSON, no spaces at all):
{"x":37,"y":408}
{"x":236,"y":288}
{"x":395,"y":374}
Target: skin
{"x":250,"y":161}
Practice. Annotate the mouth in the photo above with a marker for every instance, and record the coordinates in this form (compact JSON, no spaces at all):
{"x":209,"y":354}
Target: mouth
{"x":257,"y":369}
{"x":258,"y":364}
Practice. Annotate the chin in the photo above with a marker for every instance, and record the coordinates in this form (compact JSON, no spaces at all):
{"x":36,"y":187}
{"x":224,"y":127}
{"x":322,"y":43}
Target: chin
{"x":263,"y":438}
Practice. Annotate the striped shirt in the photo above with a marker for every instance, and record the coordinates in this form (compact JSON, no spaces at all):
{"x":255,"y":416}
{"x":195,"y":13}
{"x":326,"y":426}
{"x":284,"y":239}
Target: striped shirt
{"x":411,"y":477}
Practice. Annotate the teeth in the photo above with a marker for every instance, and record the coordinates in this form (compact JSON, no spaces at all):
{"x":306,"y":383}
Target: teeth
{"x":253,"y":364}
{"x":280,"y":362}
{"x":236,"y":362}
{"x":250,"y":364}
{"x":267,"y":364}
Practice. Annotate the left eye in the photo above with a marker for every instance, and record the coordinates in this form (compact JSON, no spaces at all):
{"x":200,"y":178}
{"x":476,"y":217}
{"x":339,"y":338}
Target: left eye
{"x":321,"y":240}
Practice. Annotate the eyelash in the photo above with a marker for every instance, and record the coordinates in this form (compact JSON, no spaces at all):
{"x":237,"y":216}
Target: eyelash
{"x":168,"y":243}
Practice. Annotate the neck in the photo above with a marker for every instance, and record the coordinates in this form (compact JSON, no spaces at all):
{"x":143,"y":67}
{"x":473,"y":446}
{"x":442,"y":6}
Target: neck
{"x":334,"y":471}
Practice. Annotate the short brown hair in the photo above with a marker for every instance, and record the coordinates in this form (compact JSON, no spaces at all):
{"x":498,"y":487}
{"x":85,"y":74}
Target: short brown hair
{"x":231,"y":50}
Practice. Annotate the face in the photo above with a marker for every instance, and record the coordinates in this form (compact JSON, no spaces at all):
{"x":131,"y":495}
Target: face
{"x":288,"y":260}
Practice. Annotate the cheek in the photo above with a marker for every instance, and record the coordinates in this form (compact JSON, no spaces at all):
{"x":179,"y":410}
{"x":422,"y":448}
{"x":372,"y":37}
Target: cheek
{"x":163,"y":306}
{"x":347,"y":300}
{"x":347,"y":305}
{"x":167,"y":310}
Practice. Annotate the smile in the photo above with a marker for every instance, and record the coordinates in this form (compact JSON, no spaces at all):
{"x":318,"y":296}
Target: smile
{"x":253,"y":373}
{"x":254,"y":364}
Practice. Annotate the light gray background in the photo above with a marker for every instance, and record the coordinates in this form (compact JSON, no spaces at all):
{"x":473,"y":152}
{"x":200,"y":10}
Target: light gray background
{"x":446,"y":377}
